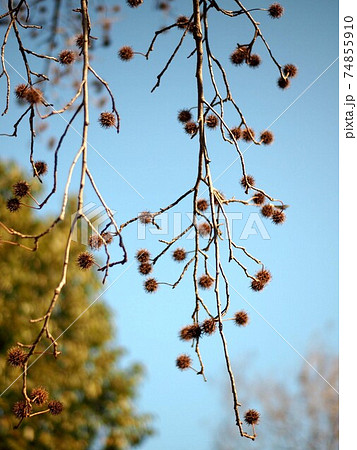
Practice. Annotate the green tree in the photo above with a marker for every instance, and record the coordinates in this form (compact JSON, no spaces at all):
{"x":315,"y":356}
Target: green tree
{"x":97,"y":393}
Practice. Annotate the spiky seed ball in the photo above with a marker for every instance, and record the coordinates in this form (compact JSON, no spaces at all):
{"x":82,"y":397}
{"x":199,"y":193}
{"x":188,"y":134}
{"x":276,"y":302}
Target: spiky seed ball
{"x":182,"y":22}
{"x":41,"y":168}
{"x":257,"y":285}
{"x":13,"y":204}
{"x":248,"y":135}
{"x":80,"y":41}
{"x":239,"y":56}
{"x":263,"y":275}
{"x":183,"y":362}
{"x":39,"y":395}
{"x":267,"y":210}
{"x":179,"y":254}
{"x":258,"y":198}
{"x":21,"y":409}
{"x":190,"y":332}
{"x":107,"y":120}
{"x":212,"y":121}
{"x":266,"y":137}
{"x":209,"y":326}
{"x":85,"y":260}
{"x":67,"y":57}
{"x":205,"y":281}
{"x":33,"y":95}
{"x":191,"y":128}
{"x":20,"y":189}
{"x":237,"y":133}
{"x":275,"y":11}
{"x":184,"y":116}
{"x":251,"y":417}
{"x":163,"y":6}
{"x":202,"y":204}
{"x":134,"y":3}
{"x":20,"y":91}
{"x":151,"y":285}
{"x":283,"y":83}
{"x":16,"y":357}
{"x":241,"y":318}
{"x":126,"y":53}
{"x":249,"y":179}
{"x":108,"y":237}
{"x":254,"y":60}
{"x":55,"y":407}
{"x":142,"y":255}
{"x":95,"y":242}
{"x":204,"y":229}
{"x":278,"y":216}
{"x":145,"y":217}
{"x":290,"y":70}
{"x":145,"y":268}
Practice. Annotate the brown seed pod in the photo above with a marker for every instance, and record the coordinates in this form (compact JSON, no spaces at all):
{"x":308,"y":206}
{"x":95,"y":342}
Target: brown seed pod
{"x":257,"y":285}
{"x":266,"y":137}
{"x":241,"y":318}
{"x":275,"y":11}
{"x":190,"y":332}
{"x":290,"y":70}
{"x":202,"y":204}
{"x":258,"y":198}
{"x":267,"y":210}
{"x":237,"y":133}
{"x":179,"y":254}
{"x":283,"y":83}
{"x":151,"y":285}
{"x":249,"y":179}
{"x":33,"y":95}
{"x":204,"y":229}
{"x":209,"y":326}
{"x":67,"y":57}
{"x":55,"y":407}
{"x":184,"y":116}
{"x":182,"y":22}
{"x":95,"y":242}
{"x":126,"y":53}
{"x":20,"y":189}
{"x":145,"y":217}
{"x":191,"y":128}
{"x":251,"y":417}
{"x":248,"y":134}
{"x":80,"y":41}
{"x":142,"y":255}
{"x":145,"y":268}
{"x":254,"y":60}
{"x":263,"y":275}
{"x":212,"y":121}
{"x":183,"y":362}
{"x":205,"y":281}
{"x":107,"y":120}
{"x":20,"y":91}
{"x":278,"y":216}
{"x":39,"y":395}
{"x":21,"y":409}
{"x":134,"y":3}
{"x":16,"y":357}
{"x":41,"y":168}
{"x":239,"y":56}
{"x":13,"y":204}
{"x":85,"y":260}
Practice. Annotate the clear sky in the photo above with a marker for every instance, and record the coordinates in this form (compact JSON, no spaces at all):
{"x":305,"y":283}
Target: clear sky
{"x":159,"y":161}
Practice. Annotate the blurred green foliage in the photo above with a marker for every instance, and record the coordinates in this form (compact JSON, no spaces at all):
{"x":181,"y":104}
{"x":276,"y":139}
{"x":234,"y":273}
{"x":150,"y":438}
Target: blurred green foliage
{"x":97,"y":393}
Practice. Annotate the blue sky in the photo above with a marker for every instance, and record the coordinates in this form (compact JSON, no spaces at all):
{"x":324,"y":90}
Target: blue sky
{"x":156,"y":157}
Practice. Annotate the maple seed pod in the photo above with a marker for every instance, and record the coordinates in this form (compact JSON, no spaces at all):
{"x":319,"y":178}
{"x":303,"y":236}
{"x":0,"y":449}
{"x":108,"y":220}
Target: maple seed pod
{"x":151,"y":285}
{"x":212,"y":121}
{"x":249,"y":179}
{"x":263,"y":275}
{"x":248,"y":135}
{"x":182,"y":22}
{"x":21,"y":409}
{"x":55,"y":407}
{"x":13,"y":204}
{"x":278,"y":216}
{"x":95,"y":242}
{"x":191,"y":128}
{"x":209,"y":326}
{"x":20,"y":189}
{"x":267,"y":210}
{"x":107,"y":120}
{"x":67,"y":57}
{"x":85,"y":260}
{"x":142,"y":255}
{"x":205,"y":281}
{"x":258,"y":198}
{"x":20,"y":91}
{"x":237,"y":133}
{"x":39,"y":395}
{"x":134,"y":3}
{"x":33,"y":95}
{"x":190,"y":332}
{"x":290,"y":70}
{"x":183,"y":362}
{"x":241,"y":318}
{"x":145,"y":268}
{"x":239,"y":56}
{"x":254,"y":60}
{"x":283,"y":83}
{"x":257,"y":285}
{"x":145,"y":217}
{"x":266,"y":137}
{"x":202,"y":204}
{"x":41,"y":168}
{"x":184,"y":116}
{"x":179,"y":254}
{"x":275,"y":11}
{"x":16,"y":357}
{"x":204,"y":229}
{"x":251,"y":417}
{"x":126,"y":53}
